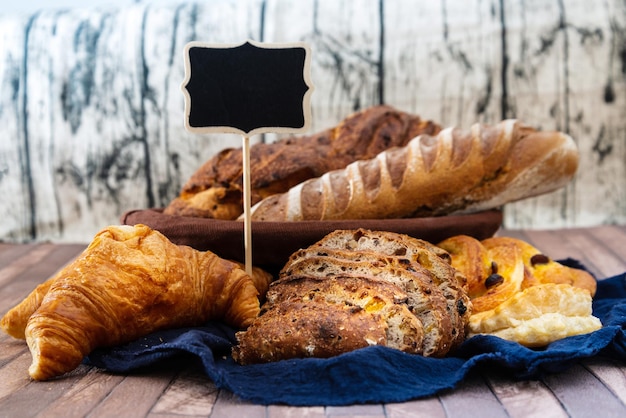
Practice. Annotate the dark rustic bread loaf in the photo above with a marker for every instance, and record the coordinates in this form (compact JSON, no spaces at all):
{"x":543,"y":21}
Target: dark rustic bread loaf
{"x":414,"y":254}
{"x":424,"y":298}
{"x":323,"y":317}
{"x":215,"y":190}
{"x":339,"y":272}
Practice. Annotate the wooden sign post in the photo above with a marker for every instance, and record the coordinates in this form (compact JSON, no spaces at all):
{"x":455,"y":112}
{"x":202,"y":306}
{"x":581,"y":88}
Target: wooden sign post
{"x":247,"y":89}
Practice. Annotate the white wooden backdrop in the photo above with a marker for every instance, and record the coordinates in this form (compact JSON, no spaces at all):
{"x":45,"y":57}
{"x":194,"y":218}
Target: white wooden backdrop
{"x":91,"y":113}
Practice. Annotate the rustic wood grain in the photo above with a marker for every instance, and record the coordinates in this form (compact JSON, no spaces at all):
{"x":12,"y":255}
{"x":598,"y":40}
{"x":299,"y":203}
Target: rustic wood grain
{"x":136,"y":394}
{"x":19,"y":264}
{"x":528,"y":398}
{"x":34,"y":398}
{"x":284,"y":411}
{"x":573,"y":387}
{"x":229,"y":405}
{"x":472,"y":394}
{"x":422,"y":408}
{"x":13,"y":376}
{"x":11,"y":348}
{"x":83,"y":396}
{"x":26,"y":280}
{"x":177,"y":389}
{"x":93,"y":114}
{"x":11,"y":252}
{"x":611,"y":373}
{"x":191,"y":393}
{"x":374,"y":411}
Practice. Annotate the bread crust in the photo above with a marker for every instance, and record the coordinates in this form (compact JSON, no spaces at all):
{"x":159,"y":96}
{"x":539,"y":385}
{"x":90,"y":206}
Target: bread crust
{"x":452,"y":172}
{"x":534,"y":301}
{"x":215,"y":190}
{"x":130,"y":281}
{"x":408,"y":279}
{"x":308,"y":316}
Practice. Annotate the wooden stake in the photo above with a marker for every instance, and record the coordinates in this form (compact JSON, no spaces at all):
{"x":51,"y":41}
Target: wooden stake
{"x":247,"y":227}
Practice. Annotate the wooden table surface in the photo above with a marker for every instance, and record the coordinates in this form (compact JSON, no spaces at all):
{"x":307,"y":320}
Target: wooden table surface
{"x":594,"y":387}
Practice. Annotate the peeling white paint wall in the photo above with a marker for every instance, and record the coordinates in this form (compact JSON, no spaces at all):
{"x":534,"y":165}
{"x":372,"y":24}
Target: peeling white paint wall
{"x":91,"y":113}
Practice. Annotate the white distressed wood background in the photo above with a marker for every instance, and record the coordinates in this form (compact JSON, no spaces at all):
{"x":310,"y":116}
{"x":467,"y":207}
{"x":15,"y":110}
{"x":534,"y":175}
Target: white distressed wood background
{"x":91,"y":113}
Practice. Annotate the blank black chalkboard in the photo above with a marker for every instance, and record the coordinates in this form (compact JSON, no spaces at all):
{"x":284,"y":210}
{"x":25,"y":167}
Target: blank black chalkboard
{"x":248,"y":88}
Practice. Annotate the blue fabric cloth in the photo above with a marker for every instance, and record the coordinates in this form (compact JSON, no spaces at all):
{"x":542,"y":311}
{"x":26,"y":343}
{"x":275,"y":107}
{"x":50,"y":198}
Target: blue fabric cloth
{"x":374,"y":374}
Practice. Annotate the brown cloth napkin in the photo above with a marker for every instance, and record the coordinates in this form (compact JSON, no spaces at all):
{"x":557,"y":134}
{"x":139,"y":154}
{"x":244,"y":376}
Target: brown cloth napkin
{"x":274,"y":242}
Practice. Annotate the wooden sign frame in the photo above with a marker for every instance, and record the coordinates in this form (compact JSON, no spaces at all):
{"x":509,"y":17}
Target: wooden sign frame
{"x":305,"y":84}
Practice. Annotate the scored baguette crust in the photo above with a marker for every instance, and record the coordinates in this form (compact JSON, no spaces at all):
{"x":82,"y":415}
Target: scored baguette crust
{"x":215,"y":190}
{"x":452,"y":172}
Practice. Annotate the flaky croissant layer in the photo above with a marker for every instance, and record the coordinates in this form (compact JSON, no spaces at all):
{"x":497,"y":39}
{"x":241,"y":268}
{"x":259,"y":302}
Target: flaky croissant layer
{"x":130,"y":281}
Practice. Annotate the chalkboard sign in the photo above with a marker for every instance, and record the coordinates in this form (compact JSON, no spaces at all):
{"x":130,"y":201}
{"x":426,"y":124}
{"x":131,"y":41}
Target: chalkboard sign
{"x":248,"y":88}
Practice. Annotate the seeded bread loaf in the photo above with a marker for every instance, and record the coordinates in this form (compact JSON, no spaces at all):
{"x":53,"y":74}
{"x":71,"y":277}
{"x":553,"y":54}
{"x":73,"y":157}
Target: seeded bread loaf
{"x":424,"y":298}
{"x":354,"y":288}
{"x":452,"y":172}
{"x":323,"y":317}
{"x":399,"y":251}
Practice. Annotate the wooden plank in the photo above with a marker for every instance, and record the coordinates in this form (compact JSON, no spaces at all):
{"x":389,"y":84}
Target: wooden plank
{"x":23,"y":283}
{"x":19,"y":264}
{"x":34,"y":397}
{"x":599,"y":252}
{"x":524,"y":399}
{"x":11,"y":252}
{"x":229,"y":405}
{"x":612,"y":238}
{"x":11,"y":348}
{"x":284,"y":411}
{"x":15,"y":211}
{"x":611,"y":373}
{"x":14,"y":375}
{"x":191,"y":393}
{"x":473,"y":394}
{"x":421,"y":408}
{"x":83,"y":396}
{"x":583,"y":395}
{"x":356,"y":411}
{"x":560,"y":68}
{"x":136,"y":394}
{"x":442,"y":60}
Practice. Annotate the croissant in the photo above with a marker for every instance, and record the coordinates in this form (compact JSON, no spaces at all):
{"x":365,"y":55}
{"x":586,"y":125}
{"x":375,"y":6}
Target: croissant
{"x":452,"y":172}
{"x":130,"y":281}
{"x":215,"y":190}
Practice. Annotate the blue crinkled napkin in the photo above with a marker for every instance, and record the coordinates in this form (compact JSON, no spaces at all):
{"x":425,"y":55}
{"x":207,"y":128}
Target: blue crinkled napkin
{"x":374,"y":374}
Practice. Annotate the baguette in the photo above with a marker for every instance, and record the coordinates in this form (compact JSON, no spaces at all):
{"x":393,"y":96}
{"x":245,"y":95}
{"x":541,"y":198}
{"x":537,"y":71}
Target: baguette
{"x":215,"y":190}
{"x":452,"y":172}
